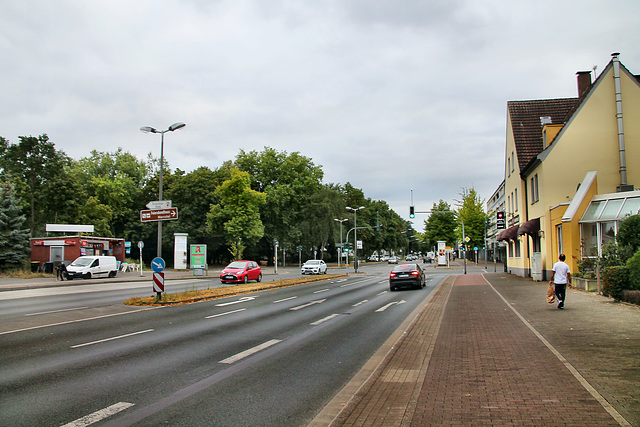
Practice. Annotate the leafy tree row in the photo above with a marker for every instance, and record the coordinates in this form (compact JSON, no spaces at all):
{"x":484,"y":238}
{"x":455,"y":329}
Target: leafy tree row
{"x":238,"y":210}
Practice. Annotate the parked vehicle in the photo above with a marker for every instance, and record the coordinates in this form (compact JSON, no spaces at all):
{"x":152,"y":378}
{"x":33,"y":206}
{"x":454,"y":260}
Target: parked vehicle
{"x":406,"y":275}
{"x":86,"y":267}
{"x":241,"y":272}
{"x":314,"y":266}
{"x":393,"y":260}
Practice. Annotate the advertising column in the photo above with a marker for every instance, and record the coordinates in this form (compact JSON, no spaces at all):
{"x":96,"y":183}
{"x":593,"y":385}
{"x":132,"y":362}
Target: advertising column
{"x":442,"y":253}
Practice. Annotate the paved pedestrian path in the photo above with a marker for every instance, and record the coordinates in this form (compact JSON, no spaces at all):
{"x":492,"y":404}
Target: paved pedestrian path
{"x":486,"y":349}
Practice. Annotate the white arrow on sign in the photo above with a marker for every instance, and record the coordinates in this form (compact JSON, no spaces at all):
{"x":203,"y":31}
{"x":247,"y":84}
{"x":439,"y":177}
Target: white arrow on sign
{"x":159,"y":204}
{"x":383,"y":308}
{"x":243,"y":299}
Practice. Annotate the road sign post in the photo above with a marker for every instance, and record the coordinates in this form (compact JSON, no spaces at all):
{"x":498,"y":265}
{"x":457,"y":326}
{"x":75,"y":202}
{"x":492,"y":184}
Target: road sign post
{"x":158,"y":264}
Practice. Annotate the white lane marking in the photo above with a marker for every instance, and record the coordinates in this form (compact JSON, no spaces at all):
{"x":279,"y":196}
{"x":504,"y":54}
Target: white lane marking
{"x":283,"y":300}
{"x":320,"y":301}
{"x":77,"y":321}
{"x":55,"y":311}
{"x":360,"y":303}
{"x":112,"y":338}
{"x":383,"y":281}
{"x":321,"y":290}
{"x":317,"y":322}
{"x":243,"y":299}
{"x":249,"y":352}
{"x":99,"y":415}
{"x":341,"y":280}
{"x":224,"y":314}
{"x":382,"y":293}
{"x":383,"y":308}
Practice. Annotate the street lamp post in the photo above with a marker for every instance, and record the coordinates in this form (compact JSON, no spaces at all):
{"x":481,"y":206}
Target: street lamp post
{"x":341,"y":242}
{"x":355,"y":235}
{"x":149,"y":129}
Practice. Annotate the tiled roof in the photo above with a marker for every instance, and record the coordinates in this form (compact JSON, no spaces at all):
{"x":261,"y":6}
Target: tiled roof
{"x":527,"y":127}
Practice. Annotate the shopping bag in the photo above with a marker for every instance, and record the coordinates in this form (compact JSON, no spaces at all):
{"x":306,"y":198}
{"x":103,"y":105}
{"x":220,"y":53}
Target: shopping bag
{"x":551,"y":293}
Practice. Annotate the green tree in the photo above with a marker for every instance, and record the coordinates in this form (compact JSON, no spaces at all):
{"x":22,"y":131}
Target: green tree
{"x":441,"y":225}
{"x":289,"y":181}
{"x":237,"y":214}
{"x":115,"y":182}
{"x":14,"y":240}
{"x":35,"y":166}
{"x":471,"y":211}
{"x":193,"y":194}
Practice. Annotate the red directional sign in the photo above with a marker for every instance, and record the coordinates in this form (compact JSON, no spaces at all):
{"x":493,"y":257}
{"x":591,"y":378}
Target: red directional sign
{"x":159,"y":214}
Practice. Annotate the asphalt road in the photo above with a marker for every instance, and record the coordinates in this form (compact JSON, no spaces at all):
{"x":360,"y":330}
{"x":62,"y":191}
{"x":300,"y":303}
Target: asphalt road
{"x":76,"y":355}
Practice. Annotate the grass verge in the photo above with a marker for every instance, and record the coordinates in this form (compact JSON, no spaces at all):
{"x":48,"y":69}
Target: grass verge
{"x":227,"y":291}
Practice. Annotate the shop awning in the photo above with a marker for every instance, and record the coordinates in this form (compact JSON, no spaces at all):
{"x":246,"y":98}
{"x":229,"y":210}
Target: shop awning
{"x":530,"y":227}
{"x":508,"y":234}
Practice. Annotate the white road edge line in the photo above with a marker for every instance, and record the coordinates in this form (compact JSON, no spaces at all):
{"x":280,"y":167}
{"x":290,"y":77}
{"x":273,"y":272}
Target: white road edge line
{"x":283,"y":300}
{"x":112,"y":338}
{"x":247,"y":353}
{"x":360,"y":303}
{"x":224,"y":314}
{"x":77,"y":321}
{"x":100,"y":415}
{"x":55,"y":311}
{"x":317,"y":322}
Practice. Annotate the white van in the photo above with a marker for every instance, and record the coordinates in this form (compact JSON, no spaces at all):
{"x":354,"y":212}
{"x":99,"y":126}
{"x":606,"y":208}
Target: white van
{"x":87,"y":267}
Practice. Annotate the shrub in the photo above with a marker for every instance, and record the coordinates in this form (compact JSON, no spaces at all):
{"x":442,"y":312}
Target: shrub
{"x":629,"y":232}
{"x":614,"y":281}
{"x":633,"y":265}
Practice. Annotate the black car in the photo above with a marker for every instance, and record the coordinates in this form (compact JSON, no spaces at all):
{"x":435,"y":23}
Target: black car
{"x":406,"y":275}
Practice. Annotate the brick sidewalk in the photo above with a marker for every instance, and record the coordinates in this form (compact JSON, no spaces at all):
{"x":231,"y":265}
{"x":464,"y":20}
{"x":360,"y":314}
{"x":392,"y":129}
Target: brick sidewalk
{"x":468,"y":359}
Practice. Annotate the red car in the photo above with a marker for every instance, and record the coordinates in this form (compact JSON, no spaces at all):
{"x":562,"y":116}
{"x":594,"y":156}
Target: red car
{"x":241,"y":272}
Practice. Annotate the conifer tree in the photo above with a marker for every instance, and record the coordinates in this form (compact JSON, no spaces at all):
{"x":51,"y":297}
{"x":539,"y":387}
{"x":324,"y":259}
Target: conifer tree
{"x":14,"y":240}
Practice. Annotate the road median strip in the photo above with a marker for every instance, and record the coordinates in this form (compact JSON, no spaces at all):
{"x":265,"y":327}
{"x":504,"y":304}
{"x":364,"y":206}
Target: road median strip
{"x":209,"y":294}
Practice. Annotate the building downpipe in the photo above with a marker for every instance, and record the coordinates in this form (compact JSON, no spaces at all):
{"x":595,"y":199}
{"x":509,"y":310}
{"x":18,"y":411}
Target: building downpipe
{"x":623,"y":158}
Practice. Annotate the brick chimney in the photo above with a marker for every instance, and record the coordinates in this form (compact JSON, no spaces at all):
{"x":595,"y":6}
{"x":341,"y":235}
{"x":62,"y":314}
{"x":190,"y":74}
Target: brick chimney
{"x":584,"y":82}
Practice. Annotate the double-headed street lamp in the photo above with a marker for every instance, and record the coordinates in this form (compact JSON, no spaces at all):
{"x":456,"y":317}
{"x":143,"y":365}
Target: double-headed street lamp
{"x":149,"y":129}
{"x":355,"y":235}
{"x":341,"y":242}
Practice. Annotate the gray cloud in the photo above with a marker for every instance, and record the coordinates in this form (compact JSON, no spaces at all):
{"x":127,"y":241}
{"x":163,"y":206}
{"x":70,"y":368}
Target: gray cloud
{"x":389,"y":96}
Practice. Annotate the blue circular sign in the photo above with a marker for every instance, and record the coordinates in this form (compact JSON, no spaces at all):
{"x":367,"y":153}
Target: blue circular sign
{"x":157,"y":264}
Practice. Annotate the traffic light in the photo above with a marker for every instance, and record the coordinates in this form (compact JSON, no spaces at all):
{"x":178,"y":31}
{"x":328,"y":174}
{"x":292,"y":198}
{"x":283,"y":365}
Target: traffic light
{"x":412,"y":212}
{"x":500,"y":220}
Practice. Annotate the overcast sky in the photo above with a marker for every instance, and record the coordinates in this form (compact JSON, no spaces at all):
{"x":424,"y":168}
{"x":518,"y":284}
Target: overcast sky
{"x":387,"y":95}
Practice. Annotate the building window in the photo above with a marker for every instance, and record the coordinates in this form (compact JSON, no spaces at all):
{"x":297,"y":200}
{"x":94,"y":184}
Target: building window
{"x":517,"y":247}
{"x":534,"y":189}
{"x":559,"y":237}
{"x":515,"y":200}
{"x":513,"y":161}
{"x":508,"y":166}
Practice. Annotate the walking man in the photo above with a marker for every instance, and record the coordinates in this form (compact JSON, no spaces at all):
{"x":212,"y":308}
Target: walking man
{"x":561,"y":277}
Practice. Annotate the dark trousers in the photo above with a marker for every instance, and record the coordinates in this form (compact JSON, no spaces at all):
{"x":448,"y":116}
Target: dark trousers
{"x":561,"y":291}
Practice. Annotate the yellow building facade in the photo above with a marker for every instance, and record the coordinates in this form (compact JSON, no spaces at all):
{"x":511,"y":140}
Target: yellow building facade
{"x":564,"y":159}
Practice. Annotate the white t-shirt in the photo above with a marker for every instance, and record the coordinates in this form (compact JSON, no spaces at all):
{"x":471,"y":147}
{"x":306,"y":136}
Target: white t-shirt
{"x":561,"y":269}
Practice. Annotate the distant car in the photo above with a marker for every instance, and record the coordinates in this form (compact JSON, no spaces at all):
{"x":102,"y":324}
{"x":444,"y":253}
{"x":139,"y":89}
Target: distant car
{"x":374,"y":258}
{"x":314,"y":266}
{"x":407,"y":275}
{"x":393,"y":260}
{"x":241,"y":272}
